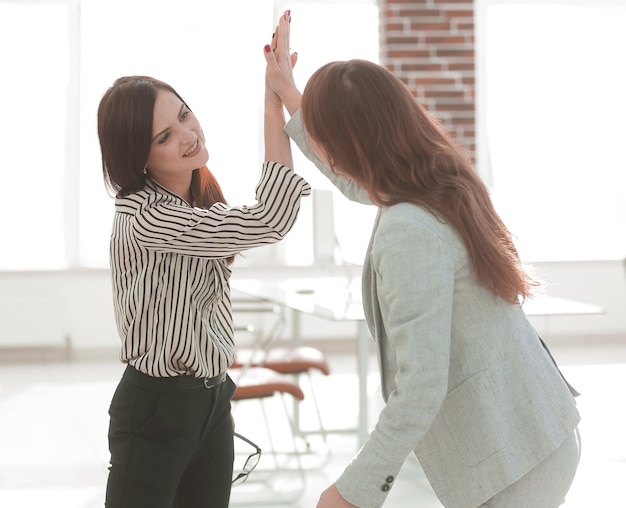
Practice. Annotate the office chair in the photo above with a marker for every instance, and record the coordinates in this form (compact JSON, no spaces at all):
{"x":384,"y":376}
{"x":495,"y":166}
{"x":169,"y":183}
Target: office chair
{"x":289,"y":360}
{"x":261,"y":384}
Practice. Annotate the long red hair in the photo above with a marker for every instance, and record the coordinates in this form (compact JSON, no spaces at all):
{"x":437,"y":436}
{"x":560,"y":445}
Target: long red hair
{"x":375,"y":132}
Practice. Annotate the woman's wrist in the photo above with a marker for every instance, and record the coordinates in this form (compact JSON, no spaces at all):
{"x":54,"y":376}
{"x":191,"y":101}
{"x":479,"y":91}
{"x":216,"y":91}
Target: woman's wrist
{"x":292,"y":100}
{"x":275,"y":113}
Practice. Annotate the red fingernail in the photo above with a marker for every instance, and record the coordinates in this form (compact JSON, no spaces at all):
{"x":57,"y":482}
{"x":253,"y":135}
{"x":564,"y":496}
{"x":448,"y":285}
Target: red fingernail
{"x":267,"y":48}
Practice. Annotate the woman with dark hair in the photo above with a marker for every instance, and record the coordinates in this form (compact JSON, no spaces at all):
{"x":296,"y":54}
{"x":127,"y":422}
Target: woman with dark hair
{"x":173,"y":239}
{"x":469,"y":387}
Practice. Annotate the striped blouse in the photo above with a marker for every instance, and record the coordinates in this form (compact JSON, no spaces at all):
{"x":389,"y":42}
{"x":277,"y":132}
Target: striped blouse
{"x":170,"y":278}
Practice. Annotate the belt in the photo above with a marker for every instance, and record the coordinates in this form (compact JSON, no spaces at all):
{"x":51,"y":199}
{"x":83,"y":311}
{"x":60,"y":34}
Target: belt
{"x":200,"y":382}
{"x":183,"y":382}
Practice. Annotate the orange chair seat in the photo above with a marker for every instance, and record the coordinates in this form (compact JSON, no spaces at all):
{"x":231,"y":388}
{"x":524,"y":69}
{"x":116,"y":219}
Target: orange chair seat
{"x":259,"y":382}
{"x":295,"y":360}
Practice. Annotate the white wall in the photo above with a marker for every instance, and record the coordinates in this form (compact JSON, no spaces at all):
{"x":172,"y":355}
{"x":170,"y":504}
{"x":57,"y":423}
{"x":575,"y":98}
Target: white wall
{"x":77,"y":305}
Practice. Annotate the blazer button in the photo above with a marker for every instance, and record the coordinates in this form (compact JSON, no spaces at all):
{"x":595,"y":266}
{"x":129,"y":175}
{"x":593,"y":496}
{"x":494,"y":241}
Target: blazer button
{"x":389,"y":479}
{"x":385,"y":487}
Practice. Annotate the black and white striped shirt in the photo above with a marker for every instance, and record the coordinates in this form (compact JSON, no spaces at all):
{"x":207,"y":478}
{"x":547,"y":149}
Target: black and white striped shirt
{"x":170,"y":278}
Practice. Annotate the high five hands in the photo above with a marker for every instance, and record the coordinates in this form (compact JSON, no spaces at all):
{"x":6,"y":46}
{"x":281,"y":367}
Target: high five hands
{"x":279,"y":71}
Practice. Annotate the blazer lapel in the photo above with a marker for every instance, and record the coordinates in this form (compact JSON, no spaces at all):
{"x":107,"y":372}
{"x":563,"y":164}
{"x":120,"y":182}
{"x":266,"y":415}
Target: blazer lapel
{"x":371,"y":308}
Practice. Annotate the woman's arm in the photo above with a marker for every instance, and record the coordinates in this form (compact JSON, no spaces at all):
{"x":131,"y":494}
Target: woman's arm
{"x":279,"y":79}
{"x":277,"y":145}
{"x":348,"y":187}
{"x":163,"y":223}
{"x":415,"y":268}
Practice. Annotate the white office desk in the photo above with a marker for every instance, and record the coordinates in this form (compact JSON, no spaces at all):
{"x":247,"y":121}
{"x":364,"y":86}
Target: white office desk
{"x":339,"y":299}
{"x":332,"y":298}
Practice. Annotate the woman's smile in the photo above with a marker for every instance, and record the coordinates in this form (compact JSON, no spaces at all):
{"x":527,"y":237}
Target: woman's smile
{"x":193,"y":150}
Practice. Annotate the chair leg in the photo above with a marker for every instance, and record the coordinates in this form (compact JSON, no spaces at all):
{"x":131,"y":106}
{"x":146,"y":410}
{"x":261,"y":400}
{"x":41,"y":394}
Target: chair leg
{"x":317,"y":409}
{"x":280,"y":464}
{"x":274,"y":450}
{"x":296,"y":452}
{"x":265,"y":386}
{"x":322,"y":451}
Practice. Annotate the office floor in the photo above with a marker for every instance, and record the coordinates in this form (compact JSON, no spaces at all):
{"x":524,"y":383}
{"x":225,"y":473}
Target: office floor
{"x":53,"y":425}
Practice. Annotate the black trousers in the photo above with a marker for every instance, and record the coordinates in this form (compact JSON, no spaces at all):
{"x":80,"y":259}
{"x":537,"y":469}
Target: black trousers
{"x":171,"y":444}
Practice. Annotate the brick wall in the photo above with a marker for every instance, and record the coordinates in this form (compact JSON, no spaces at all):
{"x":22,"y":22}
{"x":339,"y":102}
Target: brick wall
{"x":429,"y":44}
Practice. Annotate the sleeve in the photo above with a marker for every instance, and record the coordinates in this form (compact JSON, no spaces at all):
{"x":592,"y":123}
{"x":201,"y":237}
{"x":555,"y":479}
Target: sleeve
{"x":225,"y":230}
{"x":346,"y":186}
{"x":415,"y":282}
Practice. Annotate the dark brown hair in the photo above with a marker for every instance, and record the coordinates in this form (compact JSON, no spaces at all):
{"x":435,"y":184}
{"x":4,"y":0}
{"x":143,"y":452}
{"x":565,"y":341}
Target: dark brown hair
{"x":125,"y":116}
{"x":374,"y":131}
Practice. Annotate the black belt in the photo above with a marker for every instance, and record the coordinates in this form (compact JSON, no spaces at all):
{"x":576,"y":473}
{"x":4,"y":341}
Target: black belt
{"x":183,"y":382}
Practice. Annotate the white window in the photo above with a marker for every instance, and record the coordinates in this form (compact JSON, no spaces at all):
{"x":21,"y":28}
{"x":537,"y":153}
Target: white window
{"x":550,"y":107}
{"x":35,"y":204}
{"x":56,"y":212}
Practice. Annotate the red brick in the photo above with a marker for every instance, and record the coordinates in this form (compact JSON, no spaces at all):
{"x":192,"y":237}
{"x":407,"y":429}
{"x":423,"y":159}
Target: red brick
{"x":430,"y":46}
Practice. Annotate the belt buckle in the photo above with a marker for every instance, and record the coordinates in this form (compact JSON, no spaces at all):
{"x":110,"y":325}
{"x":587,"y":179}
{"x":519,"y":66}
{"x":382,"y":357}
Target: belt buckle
{"x":211,"y":382}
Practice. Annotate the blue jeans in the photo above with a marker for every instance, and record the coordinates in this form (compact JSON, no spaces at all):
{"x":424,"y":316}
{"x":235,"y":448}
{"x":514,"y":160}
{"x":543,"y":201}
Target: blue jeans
{"x":171,"y":446}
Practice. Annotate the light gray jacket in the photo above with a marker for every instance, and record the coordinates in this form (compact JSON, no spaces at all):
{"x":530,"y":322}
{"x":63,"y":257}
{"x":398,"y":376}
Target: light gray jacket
{"x":467,"y":384}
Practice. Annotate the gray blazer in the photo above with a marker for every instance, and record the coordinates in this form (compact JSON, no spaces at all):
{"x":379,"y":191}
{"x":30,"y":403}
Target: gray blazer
{"x":467,"y":384}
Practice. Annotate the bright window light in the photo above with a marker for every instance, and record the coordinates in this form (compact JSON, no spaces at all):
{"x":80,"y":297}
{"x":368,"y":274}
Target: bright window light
{"x":551,"y":105}
{"x":33,"y":101}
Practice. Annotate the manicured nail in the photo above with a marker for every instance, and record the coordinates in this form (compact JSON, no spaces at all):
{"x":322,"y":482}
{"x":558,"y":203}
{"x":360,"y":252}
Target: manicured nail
{"x":267,"y":48}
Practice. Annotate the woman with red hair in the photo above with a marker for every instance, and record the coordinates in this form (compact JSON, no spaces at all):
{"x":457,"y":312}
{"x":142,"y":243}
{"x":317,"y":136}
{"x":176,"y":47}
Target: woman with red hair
{"x":469,"y":387}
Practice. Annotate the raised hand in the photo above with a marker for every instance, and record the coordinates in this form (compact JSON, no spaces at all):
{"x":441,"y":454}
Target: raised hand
{"x":280,"y":63}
